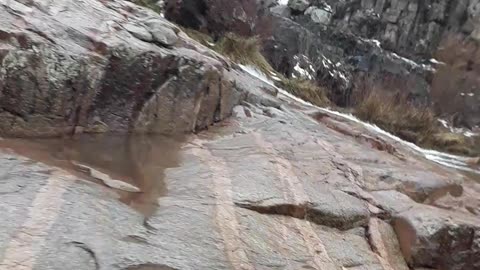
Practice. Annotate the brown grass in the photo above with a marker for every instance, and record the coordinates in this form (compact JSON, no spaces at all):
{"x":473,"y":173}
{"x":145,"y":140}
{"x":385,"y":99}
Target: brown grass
{"x":244,"y":51}
{"x":203,"y":38}
{"x":306,"y":90}
{"x":415,"y":124}
{"x":395,"y":114}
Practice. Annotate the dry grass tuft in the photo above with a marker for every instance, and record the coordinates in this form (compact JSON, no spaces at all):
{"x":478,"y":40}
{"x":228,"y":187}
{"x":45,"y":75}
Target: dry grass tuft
{"x":244,"y":51}
{"x":306,"y":90}
{"x":202,"y":38}
{"x":414,"y":124}
{"x":395,"y":114}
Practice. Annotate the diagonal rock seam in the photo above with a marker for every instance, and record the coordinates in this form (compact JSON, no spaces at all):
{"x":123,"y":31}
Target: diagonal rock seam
{"x":305,"y":211}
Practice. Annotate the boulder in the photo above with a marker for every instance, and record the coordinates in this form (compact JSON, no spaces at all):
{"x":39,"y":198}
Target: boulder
{"x":319,"y":15}
{"x":119,"y":68}
{"x":162,"y":33}
{"x":384,"y":242}
{"x":434,"y":238}
{"x":298,"y":6}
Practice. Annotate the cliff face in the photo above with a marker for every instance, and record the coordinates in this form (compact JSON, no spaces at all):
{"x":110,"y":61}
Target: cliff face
{"x":410,"y":27}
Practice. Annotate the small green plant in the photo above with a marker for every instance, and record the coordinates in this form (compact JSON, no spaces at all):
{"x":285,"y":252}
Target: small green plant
{"x":306,"y":90}
{"x":243,"y":50}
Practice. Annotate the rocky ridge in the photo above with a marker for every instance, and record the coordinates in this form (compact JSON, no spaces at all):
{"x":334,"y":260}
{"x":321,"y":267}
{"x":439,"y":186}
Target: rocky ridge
{"x":342,"y":44}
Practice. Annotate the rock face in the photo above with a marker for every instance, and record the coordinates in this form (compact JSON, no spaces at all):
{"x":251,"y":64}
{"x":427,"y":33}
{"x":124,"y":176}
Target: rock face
{"x":298,"y":5}
{"x":96,"y":66}
{"x":279,"y":185}
{"x":219,"y":16}
{"x":430,"y":237}
{"x":410,"y":27}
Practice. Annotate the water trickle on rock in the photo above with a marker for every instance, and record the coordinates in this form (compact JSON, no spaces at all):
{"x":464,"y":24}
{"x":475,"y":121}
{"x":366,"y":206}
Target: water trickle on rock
{"x":132,"y":165}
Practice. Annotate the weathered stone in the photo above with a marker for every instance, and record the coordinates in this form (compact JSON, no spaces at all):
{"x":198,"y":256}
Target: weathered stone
{"x":439,"y":239}
{"x":281,"y":10}
{"x":384,"y":242}
{"x":298,"y":5}
{"x":318,"y":15}
{"x":161,"y":33}
{"x":139,"y":32}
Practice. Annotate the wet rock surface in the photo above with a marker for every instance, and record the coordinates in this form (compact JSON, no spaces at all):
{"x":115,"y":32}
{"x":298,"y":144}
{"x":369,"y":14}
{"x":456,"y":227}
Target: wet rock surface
{"x":260,"y":190}
{"x":279,"y":185}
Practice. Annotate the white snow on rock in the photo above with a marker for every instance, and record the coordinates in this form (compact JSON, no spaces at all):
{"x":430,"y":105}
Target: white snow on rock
{"x":283,"y":2}
{"x":303,"y":73}
{"x":436,"y":62}
{"x":375,"y":42}
{"x":463,"y":131}
{"x":406,"y":60}
{"x":332,"y":69}
{"x":445,"y":159}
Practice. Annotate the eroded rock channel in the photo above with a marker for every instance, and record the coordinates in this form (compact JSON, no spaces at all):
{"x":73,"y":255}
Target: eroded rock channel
{"x":266,"y":182}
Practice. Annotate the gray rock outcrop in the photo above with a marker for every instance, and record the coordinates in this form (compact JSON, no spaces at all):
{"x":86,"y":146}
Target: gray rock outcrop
{"x":89,"y":66}
{"x":298,"y":5}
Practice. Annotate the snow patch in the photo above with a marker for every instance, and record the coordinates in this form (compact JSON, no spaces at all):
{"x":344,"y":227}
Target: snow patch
{"x":302,"y":72}
{"x":463,"y":131}
{"x":375,"y":42}
{"x":283,"y":2}
{"x":445,"y":159}
{"x":436,"y":62}
{"x":406,"y":60}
